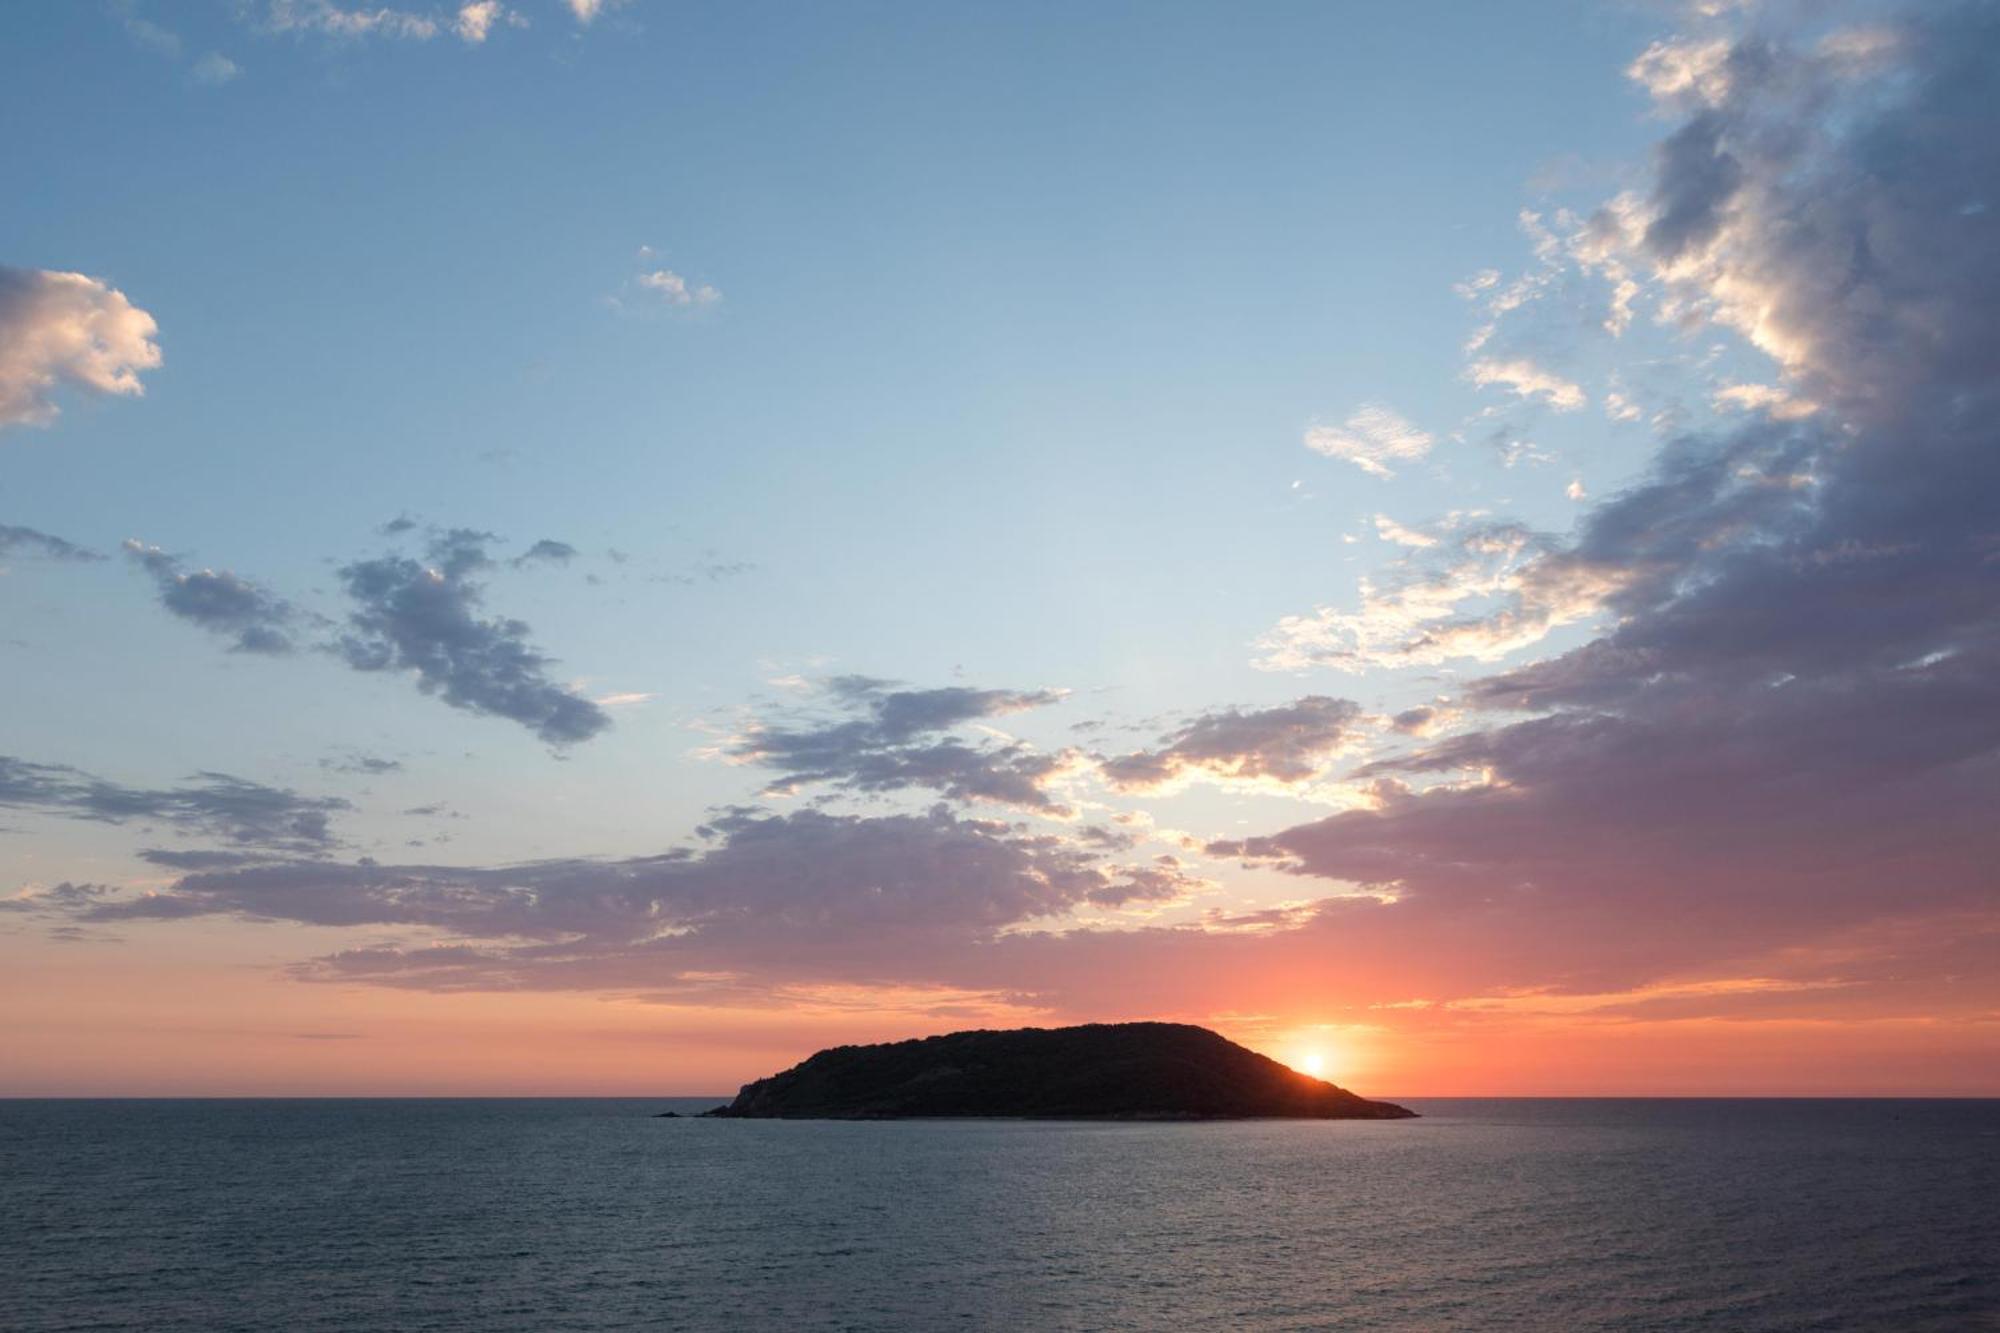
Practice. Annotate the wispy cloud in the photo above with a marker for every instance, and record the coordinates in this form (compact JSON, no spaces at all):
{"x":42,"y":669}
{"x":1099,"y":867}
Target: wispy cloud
{"x":546,"y":551}
{"x":242,"y":813}
{"x":1493,"y":589}
{"x":670,"y":288}
{"x":1525,"y":379}
{"x":355,"y":761}
{"x":16,"y":540}
{"x":1389,"y":530}
{"x":1371,"y":439}
{"x":1766,"y":398}
{"x":326,"y":19}
{"x":214,"y":69}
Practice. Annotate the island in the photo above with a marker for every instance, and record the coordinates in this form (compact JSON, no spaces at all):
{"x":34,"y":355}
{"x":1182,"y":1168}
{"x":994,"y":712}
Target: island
{"x":1097,"y":1071}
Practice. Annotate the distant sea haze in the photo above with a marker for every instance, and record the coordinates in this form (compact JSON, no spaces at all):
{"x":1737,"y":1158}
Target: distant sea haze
{"x":550,"y":1215}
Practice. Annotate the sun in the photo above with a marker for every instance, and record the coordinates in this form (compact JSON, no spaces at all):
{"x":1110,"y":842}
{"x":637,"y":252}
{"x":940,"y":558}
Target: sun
{"x":1312,"y":1062}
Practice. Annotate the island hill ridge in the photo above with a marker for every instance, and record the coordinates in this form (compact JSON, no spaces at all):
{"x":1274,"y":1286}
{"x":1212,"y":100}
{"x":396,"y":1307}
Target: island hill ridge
{"x":1127,"y":1071}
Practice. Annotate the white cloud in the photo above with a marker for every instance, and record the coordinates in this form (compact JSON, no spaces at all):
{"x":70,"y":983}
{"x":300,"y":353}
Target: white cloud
{"x":215,"y":69}
{"x":1766,"y":398}
{"x":1525,"y":379}
{"x":211,"y":69}
{"x":1389,"y":530}
{"x":159,"y":40}
{"x":1484,"y":280}
{"x":1862,"y":49}
{"x":475,"y":20}
{"x":1624,"y":291}
{"x":67,"y":328}
{"x":1496,"y":590}
{"x":1371,"y":439}
{"x":328,"y":19}
{"x":1684,"y":73}
{"x":1498,"y":301}
{"x":673,"y":289}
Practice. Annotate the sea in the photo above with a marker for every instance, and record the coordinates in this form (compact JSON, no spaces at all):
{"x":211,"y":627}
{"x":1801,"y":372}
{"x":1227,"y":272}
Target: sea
{"x":551,"y":1214}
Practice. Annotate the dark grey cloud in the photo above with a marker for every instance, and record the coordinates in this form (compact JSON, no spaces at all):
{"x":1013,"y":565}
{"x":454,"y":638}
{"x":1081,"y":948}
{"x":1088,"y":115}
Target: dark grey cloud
{"x":81,"y":935}
{"x":423,"y":619}
{"x":779,"y":899}
{"x":416,"y":617}
{"x":1164,"y":881}
{"x":1791,"y":727}
{"x":1291,"y":743}
{"x":890,"y":739}
{"x":708,"y":570}
{"x":1106,"y":838}
{"x":213,"y":805}
{"x":1696,"y":175}
{"x":64,"y":899}
{"x":366,"y":765}
{"x":545,"y":551}
{"x":458,"y":552}
{"x":220,"y":602}
{"x":26,"y":541}
{"x":1005,"y":774}
{"x":1414,"y":721}
{"x":201,"y":858}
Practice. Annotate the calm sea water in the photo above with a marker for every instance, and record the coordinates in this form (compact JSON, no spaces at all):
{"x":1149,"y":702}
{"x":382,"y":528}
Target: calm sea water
{"x":546,"y":1215}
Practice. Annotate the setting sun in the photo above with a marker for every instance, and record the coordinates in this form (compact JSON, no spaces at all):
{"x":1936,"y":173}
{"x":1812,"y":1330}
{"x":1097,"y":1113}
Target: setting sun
{"x":1313,"y":1063}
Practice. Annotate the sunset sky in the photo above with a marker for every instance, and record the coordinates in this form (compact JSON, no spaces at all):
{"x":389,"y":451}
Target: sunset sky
{"x":572,"y":547}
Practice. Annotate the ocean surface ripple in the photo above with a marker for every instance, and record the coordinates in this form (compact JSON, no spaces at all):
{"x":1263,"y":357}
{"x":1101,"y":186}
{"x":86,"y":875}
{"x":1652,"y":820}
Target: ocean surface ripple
{"x":552,"y":1215}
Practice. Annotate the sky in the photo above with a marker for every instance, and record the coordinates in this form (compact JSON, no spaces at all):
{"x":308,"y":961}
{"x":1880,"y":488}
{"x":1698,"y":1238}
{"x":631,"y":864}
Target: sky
{"x":579,"y":547}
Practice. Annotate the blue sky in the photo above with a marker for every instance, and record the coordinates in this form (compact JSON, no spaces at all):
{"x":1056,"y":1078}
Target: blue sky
{"x":1111,"y":426}
{"x":1023,"y":314}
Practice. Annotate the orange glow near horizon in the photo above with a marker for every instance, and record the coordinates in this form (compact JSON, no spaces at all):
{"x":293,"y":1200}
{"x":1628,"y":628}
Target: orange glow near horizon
{"x":216,"y":1018}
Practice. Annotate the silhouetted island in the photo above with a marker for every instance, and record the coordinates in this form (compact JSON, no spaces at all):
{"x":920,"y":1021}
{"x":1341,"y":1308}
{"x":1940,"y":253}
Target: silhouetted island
{"x":1129,"y":1071}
